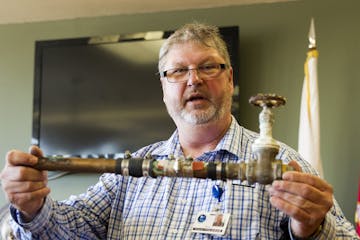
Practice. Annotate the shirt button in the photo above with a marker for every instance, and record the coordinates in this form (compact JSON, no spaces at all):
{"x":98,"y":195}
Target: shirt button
{"x":175,"y":231}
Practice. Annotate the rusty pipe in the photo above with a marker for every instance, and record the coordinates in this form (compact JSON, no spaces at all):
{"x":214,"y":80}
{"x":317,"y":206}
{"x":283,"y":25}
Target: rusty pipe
{"x":181,"y":167}
{"x":264,"y":168}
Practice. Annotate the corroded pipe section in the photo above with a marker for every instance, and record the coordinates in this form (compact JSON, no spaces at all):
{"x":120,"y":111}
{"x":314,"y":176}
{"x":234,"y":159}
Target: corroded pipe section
{"x":138,"y":167}
{"x":264,"y":168}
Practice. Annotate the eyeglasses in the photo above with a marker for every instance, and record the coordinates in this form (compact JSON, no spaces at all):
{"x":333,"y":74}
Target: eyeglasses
{"x":205,"y":72}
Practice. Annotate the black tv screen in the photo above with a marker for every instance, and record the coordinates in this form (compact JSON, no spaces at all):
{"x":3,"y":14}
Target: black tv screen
{"x":101,"y":95}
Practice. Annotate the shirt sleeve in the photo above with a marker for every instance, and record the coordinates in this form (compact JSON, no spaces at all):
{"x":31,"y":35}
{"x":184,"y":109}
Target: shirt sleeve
{"x":333,"y":227}
{"x":80,"y":217}
{"x":336,"y":226}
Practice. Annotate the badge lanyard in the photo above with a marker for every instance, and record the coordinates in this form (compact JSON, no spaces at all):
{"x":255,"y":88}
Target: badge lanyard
{"x":216,"y":221}
{"x":218,"y":191}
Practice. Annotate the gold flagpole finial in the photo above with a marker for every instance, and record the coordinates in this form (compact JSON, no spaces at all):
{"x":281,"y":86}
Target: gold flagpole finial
{"x":312,"y":38}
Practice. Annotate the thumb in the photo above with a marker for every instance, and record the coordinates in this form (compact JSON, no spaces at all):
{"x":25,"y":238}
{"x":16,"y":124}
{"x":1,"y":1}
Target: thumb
{"x":36,"y":151}
{"x":295,"y":165}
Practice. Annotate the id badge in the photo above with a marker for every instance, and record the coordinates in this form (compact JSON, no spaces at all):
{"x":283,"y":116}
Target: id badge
{"x":214,"y":223}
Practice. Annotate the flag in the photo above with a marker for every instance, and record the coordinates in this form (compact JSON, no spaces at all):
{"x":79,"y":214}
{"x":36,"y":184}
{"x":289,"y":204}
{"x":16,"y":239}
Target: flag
{"x":309,"y":126}
{"x":357,"y":212}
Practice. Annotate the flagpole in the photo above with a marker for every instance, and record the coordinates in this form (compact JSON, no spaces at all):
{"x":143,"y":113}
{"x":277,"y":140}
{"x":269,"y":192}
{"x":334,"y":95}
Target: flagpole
{"x":312,"y":36}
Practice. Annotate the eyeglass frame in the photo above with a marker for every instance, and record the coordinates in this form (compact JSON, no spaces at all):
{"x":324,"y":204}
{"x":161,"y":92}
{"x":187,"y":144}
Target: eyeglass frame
{"x":163,"y":74}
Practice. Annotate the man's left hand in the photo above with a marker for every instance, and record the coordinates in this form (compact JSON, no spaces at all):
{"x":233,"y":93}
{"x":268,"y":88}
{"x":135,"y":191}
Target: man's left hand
{"x":304,"y":197}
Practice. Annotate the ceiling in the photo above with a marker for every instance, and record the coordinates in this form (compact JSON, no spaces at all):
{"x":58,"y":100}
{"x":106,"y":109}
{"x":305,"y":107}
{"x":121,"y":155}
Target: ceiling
{"x":24,"y":11}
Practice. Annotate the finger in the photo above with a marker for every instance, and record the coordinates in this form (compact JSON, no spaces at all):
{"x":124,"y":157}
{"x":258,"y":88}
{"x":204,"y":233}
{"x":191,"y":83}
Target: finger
{"x":303,"y":190}
{"x":29,"y":201}
{"x":291,"y":210}
{"x":22,"y":187}
{"x":16,"y":158}
{"x":297,"y":201}
{"x":295,"y":165}
{"x":23,"y":173}
{"x":309,"y":179}
{"x":35,"y":150}
{"x":22,"y":198}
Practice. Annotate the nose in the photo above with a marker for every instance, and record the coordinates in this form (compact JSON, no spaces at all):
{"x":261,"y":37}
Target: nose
{"x":194,"y":77}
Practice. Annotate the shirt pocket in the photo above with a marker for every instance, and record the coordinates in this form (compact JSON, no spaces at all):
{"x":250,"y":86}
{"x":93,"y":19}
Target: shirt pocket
{"x":243,"y":206}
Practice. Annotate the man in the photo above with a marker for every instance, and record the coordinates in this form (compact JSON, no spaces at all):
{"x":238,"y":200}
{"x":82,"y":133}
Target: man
{"x":197,"y":82}
{"x":218,"y":222}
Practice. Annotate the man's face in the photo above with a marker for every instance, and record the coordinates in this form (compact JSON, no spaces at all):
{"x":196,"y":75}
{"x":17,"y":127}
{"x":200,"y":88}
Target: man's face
{"x":197,"y":101}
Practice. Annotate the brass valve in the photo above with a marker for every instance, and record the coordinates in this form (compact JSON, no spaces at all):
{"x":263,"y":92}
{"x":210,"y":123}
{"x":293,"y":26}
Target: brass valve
{"x":265,"y":168}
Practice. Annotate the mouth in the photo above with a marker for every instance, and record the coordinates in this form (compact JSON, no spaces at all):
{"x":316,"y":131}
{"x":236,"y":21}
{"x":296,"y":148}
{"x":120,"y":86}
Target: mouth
{"x":195,"y":97}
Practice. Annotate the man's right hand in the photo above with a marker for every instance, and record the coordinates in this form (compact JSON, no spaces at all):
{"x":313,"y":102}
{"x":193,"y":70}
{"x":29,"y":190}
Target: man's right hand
{"x":24,"y":186}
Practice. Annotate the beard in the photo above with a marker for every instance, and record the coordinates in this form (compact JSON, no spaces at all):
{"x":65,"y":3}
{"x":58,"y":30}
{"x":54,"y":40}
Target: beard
{"x":217,"y":109}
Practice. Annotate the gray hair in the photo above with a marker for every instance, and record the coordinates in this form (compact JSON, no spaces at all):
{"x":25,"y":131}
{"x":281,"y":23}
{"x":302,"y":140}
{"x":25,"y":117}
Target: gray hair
{"x":203,"y":34}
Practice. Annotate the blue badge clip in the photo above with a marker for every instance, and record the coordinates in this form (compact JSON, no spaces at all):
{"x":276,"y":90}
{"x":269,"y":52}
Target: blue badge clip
{"x":217,"y":192}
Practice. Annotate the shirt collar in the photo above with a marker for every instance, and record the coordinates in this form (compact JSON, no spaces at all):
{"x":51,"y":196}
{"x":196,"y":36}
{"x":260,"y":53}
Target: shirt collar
{"x":230,"y":142}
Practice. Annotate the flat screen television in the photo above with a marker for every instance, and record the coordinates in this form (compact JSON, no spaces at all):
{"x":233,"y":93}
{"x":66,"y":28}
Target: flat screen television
{"x":101,"y":95}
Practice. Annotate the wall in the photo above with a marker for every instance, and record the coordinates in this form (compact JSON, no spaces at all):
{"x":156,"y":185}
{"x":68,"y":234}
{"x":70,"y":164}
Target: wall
{"x":273,"y":40}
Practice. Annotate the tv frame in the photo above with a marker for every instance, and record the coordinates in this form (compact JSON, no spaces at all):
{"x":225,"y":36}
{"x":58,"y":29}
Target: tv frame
{"x":229,"y":33}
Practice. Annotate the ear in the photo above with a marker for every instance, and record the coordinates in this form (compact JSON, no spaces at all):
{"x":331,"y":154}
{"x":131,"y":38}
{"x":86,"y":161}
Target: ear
{"x":231,"y":75}
{"x":231,"y":79}
{"x":162,"y":81}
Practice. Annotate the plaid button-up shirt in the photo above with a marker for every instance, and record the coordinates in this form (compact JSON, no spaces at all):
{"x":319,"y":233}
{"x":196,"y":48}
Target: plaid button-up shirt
{"x":119,"y":207}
